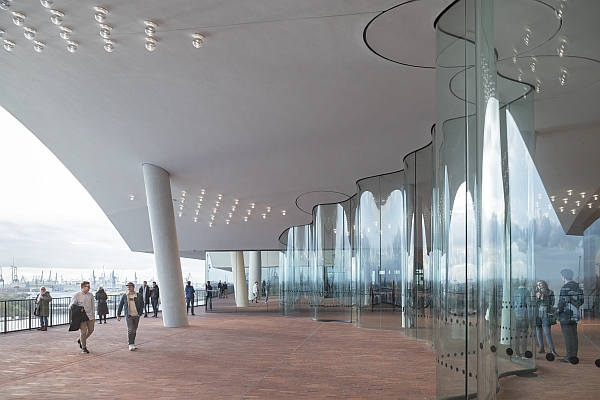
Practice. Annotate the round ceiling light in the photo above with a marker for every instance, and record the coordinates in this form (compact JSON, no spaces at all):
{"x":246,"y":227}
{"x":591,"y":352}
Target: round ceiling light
{"x":150,"y":28}
{"x":9,"y":45}
{"x":18,"y":18}
{"x":105,"y":31}
{"x":4,"y":5}
{"x":72,"y":46}
{"x":1,"y":33}
{"x":109,"y":46}
{"x":151,"y":44}
{"x":65,"y":32}
{"x":47,"y":3}
{"x":29,"y":33}
{"x":198,"y":38}
{"x":57,"y":17}
{"x":100,"y":14}
{"x":38,"y":46}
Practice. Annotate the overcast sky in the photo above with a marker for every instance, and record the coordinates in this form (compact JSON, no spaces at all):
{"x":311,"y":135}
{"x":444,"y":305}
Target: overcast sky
{"x":49,"y":222}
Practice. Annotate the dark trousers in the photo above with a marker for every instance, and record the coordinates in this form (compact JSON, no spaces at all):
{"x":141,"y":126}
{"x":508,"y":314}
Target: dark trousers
{"x":147,"y":308}
{"x":154,"y":306}
{"x":208,"y":302}
{"x":189,"y":302}
{"x":132,"y":325}
{"x":571,"y":340}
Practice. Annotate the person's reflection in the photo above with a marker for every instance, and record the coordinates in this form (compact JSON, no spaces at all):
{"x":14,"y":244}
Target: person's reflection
{"x":521,"y":303}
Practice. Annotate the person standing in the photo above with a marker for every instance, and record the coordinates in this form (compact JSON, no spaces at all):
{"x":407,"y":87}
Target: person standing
{"x":220,"y":288}
{"x":133,"y":303}
{"x":83,"y":302}
{"x":521,"y":304}
{"x":145,"y":292}
{"x":225,"y":289}
{"x":255,"y":291}
{"x":42,"y":308}
{"x":154,"y":296}
{"x":569,"y":301}
{"x":189,"y":296}
{"x":101,"y":299}
{"x":208,"y":302}
{"x":266,"y":292}
{"x":544,"y":301}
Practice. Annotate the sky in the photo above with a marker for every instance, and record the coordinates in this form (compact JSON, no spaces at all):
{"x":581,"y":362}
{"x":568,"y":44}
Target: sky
{"x":50,"y":223}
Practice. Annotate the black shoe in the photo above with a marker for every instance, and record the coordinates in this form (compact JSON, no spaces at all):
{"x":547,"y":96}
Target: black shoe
{"x":565,"y":360}
{"x":193,"y":314}
{"x":79,"y":341}
{"x":85,"y":350}
{"x":542,"y":350}
{"x":145,"y":315}
{"x":554,"y":353}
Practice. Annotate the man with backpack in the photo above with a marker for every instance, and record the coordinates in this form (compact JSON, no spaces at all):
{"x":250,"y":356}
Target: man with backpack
{"x":569,"y":301}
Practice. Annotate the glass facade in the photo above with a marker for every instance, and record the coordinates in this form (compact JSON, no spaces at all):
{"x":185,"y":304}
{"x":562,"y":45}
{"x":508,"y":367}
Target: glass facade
{"x":465,"y":246}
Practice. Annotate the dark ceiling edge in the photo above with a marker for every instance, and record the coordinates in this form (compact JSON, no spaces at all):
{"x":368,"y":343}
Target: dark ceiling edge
{"x":386,"y":58}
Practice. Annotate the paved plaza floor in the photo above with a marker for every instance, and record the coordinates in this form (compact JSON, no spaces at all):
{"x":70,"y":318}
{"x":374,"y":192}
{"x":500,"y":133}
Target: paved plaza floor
{"x":251,"y":355}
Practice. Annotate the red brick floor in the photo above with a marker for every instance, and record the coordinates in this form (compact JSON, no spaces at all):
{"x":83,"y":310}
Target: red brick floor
{"x":232,"y":356}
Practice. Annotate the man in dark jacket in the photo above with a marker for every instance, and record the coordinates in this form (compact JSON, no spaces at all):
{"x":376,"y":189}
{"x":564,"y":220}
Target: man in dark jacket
{"x":155,"y":294}
{"x":133,"y":303}
{"x":145,"y":292}
{"x":189,"y":296}
{"x":569,"y":301}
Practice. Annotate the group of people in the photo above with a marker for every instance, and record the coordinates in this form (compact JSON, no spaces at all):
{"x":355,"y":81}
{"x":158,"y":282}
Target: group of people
{"x":222,"y":289}
{"x":570,"y":299}
{"x":132,"y":303}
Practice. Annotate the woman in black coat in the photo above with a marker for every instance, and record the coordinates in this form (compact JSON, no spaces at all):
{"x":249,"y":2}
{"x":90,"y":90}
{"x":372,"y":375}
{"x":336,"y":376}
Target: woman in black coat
{"x":101,"y":298}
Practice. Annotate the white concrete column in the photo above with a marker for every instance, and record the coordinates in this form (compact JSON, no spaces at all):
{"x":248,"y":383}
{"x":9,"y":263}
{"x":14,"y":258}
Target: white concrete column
{"x":239,"y":278}
{"x":254,"y":272}
{"x":166,"y":247}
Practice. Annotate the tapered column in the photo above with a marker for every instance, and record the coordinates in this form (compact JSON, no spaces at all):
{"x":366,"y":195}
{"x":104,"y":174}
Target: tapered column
{"x":166,"y":247}
{"x":239,"y":278}
{"x":254,"y":269}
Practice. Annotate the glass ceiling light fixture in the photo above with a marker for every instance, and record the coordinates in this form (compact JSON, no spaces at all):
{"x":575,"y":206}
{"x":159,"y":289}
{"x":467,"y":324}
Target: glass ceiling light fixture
{"x":227,"y":221}
{"x":9,"y":45}
{"x":595,"y":197}
{"x":565,"y":201}
{"x":72,"y":46}
{"x":268,"y":209}
{"x":527,"y":35}
{"x":220,"y":196}
{"x":47,"y":3}
{"x":264,"y":215}
{"x":232,"y":208}
{"x":203,"y":191}
{"x":57,"y":17}
{"x":132,"y":198}
{"x":561,"y":209}
{"x":150,"y":44}
{"x":65,"y":32}
{"x":563,"y":76}
{"x":18,"y":18}
{"x":538,"y":85}
{"x":245,"y":219}
{"x":29,"y":33}
{"x":4,"y":5}
{"x":1,"y":33}
{"x":100,"y":14}
{"x":283,"y":212}
{"x":533,"y":63}
{"x":552,"y":198}
{"x":198,"y":38}
{"x":109,"y":45}
{"x":578,"y":202}
{"x":252,"y":205}
{"x":560,"y":10}
{"x":105,"y":32}
{"x":38,"y":46}
{"x":582,"y":195}
{"x":570,"y":192}
{"x":236,"y":201}
{"x":150,"y":28}
{"x":563,"y":43}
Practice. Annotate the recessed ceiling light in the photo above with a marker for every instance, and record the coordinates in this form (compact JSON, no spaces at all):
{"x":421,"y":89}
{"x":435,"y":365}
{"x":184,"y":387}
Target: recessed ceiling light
{"x":210,"y":224}
{"x":232,"y":208}
{"x":150,"y":28}
{"x":57,"y":17}
{"x":236,"y":201}
{"x":47,"y":3}
{"x":105,"y":32}
{"x":72,"y":46}
{"x":132,"y":198}
{"x":227,"y":221}
{"x":245,"y":219}
{"x":4,"y":5}
{"x":1,"y":33}
{"x":212,"y":217}
{"x":283,"y":212}
{"x":150,"y":44}
{"x":109,"y":45}
{"x":268,"y":209}
{"x":18,"y":18}
{"x":198,"y":38}
{"x":248,"y":211}
{"x":65,"y":32}
{"x":252,"y":205}
{"x":180,"y":214}
{"x":220,"y":196}
{"x":264,"y":215}
{"x":9,"y":45}
{"x":38,"y":46}
{"x":100,"y":14}
{"x":29,"y":33}
{"x":195,"y":219}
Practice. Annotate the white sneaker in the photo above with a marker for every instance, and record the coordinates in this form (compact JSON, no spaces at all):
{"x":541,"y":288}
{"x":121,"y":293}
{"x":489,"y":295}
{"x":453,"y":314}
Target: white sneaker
{"x":134,"y":346}
{"x":131,"y":347}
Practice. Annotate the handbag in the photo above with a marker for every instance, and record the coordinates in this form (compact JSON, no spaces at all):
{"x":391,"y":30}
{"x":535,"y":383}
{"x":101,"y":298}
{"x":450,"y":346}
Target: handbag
{"x":551,"y":319}
{"x":36,"y":310}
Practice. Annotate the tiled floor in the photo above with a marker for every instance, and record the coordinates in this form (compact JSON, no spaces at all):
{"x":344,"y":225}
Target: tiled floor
{"x":232,"y":356}
{"x":254,"y":355}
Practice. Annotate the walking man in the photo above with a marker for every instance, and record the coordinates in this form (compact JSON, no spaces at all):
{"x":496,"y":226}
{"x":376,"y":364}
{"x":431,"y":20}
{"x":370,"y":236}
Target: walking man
{"x":255,"y":291}
{"x":569,"y":301}
{"x":189,"y":296}
{"x":208,"y":302}
{"x":154,"y":296}
{"x":220,"y":287}
{"x":83,"y":302}
{"x":266,"y":292}
{"x":145,"y":292}
{"x":133,"y":303}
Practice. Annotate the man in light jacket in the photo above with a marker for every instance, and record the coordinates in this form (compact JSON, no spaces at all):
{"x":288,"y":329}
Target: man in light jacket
{"x":84,"y":300}
{"x":133,"y":303}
